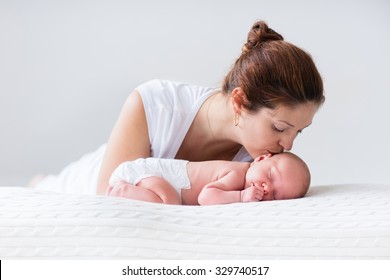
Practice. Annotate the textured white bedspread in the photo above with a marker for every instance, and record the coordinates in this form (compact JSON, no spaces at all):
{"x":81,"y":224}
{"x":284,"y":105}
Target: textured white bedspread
{"x":331,"y":222}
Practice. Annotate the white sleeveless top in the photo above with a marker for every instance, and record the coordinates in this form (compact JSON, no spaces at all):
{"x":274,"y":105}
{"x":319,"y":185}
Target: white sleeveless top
{"x":170,"y":108}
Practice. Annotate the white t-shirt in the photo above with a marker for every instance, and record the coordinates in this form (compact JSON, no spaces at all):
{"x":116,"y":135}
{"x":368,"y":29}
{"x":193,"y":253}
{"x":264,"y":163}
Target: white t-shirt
{"x":170,"y":108}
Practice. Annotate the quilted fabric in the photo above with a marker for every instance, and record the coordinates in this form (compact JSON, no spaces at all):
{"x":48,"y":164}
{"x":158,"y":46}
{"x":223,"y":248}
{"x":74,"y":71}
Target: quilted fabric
{"x":331,"y":222}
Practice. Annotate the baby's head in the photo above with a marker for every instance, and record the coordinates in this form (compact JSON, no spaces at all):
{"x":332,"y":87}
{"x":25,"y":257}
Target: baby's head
{"x":282,"y":176}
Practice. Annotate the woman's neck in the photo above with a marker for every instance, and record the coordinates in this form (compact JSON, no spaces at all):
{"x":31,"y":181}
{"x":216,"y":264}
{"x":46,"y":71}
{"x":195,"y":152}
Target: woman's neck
{"x":209,"y":137}
{"x":219,"y":116}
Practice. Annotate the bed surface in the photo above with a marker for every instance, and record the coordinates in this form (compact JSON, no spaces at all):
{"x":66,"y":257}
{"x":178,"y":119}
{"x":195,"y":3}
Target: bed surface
{"x":331,"y":222}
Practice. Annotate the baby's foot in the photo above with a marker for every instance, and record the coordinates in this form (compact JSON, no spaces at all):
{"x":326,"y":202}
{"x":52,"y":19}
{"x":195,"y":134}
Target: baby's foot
{"x":35,"y":180}
{"x":119,"y":189}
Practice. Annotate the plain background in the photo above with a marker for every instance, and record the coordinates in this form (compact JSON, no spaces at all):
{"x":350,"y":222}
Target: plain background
{"x":66,"y":67}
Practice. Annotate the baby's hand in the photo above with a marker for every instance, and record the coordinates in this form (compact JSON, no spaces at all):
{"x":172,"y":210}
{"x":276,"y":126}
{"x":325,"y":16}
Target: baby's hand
{"x":252,"y":193}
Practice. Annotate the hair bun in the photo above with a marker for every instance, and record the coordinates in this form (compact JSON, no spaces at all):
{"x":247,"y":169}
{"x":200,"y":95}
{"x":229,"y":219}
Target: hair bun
{"x":260,"y":33}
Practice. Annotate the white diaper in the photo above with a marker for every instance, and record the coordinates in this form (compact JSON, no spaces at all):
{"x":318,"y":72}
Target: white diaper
{"x":174,"y":171}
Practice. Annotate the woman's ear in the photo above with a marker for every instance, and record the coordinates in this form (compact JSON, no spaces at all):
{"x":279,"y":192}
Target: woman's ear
{"x":238,"y":99}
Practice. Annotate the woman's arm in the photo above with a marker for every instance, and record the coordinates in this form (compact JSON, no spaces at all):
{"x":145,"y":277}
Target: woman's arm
{"x":129,"y":139}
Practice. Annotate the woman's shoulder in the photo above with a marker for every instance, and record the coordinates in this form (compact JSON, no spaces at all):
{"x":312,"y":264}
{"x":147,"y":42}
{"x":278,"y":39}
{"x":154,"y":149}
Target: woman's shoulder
{"x":173,"y":86}
{"x":173,"y":93}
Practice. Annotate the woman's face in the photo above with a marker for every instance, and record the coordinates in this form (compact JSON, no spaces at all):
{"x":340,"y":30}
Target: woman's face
{"x":274,"y":130}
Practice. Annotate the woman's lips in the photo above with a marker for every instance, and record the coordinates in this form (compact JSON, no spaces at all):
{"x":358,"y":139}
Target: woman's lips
{"x":273,"y":153}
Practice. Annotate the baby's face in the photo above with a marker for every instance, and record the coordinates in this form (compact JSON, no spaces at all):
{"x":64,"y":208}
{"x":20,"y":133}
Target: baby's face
{"x":280,"y":176}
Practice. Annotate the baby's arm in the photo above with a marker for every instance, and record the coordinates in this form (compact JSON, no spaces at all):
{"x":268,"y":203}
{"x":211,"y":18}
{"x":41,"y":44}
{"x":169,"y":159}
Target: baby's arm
{"x":227,"y":189}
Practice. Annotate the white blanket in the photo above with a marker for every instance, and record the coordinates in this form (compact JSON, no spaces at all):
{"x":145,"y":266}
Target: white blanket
{"x":331,"y":222}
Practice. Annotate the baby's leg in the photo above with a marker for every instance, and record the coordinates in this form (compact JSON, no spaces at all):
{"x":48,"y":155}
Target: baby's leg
{"x":161,"y":188}
{"x":127,"y":190}
{"x":151,"y":189}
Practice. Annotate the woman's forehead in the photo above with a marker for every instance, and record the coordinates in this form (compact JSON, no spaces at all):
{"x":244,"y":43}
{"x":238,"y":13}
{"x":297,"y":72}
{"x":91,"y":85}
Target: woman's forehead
{"x":303,"y":112}
{"x":303,"y":107}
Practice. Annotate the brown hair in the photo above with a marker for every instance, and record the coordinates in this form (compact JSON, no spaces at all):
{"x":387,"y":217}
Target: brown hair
{"x":273,"y":72}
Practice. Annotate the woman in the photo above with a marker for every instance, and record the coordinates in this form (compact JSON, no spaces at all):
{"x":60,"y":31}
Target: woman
{"x":269,"y":96}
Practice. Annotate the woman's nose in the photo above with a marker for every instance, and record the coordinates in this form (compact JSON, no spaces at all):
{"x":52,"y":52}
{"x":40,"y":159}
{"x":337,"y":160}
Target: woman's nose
{"x":287,"y":143}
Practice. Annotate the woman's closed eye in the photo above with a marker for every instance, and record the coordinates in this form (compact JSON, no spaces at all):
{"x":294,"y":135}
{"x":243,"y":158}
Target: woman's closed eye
{"x":278,"y":129}
{"x":281,"y":130}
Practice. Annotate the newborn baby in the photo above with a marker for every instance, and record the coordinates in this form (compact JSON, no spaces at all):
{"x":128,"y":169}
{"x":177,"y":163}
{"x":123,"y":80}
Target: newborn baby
{"x":172,"y":181}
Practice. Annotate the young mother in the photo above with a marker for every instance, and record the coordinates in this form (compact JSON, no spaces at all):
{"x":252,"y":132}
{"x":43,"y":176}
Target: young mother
{"x":269,"y":96}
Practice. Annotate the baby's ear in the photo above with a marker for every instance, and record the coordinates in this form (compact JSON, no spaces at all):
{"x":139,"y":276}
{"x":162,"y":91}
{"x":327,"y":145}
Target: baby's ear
{"x":263,"y":157}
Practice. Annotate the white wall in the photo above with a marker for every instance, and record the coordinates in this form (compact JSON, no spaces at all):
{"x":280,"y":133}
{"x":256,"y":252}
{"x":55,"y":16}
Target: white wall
{"x":67,"y":66}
